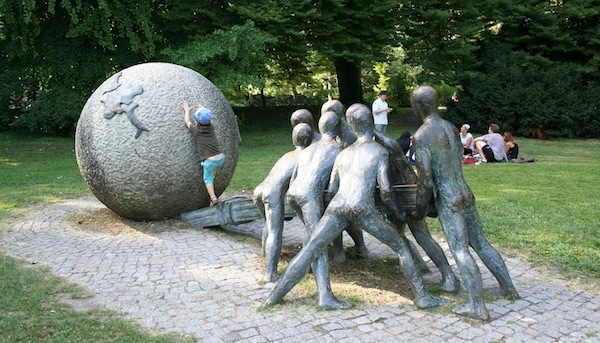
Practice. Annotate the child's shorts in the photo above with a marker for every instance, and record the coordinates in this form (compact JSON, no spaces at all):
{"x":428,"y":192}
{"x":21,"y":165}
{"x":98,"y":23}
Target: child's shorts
{"x":209,"y":167}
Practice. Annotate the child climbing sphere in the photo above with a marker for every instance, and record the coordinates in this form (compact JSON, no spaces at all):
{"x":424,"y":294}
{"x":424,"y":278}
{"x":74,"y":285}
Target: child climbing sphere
{"x":209,"y":149}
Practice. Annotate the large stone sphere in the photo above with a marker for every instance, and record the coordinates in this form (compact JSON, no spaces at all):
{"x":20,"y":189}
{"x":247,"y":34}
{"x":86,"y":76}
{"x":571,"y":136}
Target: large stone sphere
{"x":134,"y":150}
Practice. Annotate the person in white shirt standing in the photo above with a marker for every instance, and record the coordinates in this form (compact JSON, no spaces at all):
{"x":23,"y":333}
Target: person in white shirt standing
{"x":380,"y":111}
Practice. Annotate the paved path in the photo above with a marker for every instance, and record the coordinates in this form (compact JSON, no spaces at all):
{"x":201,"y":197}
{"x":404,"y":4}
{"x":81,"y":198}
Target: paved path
{"x":207,"y":284}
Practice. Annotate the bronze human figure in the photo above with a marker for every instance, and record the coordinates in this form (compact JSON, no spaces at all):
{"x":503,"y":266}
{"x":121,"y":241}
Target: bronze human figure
{"x":438,"y":152}
{"x":403,"y":173}
{"x":303,"y":115}
{"x":305,"y":196}
{"x":345,"y":138}
{"x":357,"y":171}
{"x":269,"y":197}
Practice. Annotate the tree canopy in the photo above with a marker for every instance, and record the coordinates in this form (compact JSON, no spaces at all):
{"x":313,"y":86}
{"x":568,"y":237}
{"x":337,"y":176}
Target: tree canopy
{"x":55,"y":53}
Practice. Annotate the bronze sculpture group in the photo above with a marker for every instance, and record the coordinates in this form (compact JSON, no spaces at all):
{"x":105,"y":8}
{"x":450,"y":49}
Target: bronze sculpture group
{"x":357,"y":166}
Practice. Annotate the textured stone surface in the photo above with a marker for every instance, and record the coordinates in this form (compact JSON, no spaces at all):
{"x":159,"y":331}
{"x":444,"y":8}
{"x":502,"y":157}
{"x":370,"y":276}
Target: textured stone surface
{"x":134,"y":150}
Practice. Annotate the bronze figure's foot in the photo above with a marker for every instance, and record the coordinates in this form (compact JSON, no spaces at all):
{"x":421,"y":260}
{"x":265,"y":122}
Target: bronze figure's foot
{"x":451,"y":284}
{"x":331,"y":303}
{"x":271,"y":300}
{"x":272,"y":277}
{"x":429,"y":301}
{"x":467,"y":310}
{"x":510,"y":293}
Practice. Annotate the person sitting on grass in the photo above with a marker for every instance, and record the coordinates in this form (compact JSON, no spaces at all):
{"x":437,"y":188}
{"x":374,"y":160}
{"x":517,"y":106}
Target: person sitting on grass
{"x":466,"y":138}
{"x":511,"y":148}
{"x":491,"y":145}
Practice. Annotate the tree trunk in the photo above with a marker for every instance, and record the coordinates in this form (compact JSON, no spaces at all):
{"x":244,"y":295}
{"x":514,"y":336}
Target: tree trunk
{"x":294,"y":94}
{"x":349,"y":84}
{"x":262,"y":97}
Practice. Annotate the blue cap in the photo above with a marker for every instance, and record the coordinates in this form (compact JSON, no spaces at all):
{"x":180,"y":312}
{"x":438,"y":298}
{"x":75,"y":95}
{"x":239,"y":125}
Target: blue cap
{"x":203,"y":115}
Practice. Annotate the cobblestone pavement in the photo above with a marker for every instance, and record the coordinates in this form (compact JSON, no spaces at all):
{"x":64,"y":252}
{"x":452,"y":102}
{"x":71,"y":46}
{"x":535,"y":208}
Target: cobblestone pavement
{"x":208,"y":285}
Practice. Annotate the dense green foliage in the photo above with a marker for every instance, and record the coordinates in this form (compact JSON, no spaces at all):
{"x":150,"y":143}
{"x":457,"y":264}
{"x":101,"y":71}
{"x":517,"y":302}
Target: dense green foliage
{"x":443,"y":37}
{"x":343,"y":33}
{"x":523,"y":97}
{"x":55,"y":55}
{"x":526,"y":64}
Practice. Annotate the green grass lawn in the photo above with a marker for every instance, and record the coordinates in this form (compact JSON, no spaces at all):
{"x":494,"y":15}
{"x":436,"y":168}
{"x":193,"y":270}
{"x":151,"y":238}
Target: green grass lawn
{"x":547,"y":212}
{"x":37,"y":170}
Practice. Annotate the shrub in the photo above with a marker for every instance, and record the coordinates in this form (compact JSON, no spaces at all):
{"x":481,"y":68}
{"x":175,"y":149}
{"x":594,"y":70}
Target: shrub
{"x":522,"y":93}
{"x":250,"y":118}
{"x":52,"y":113}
